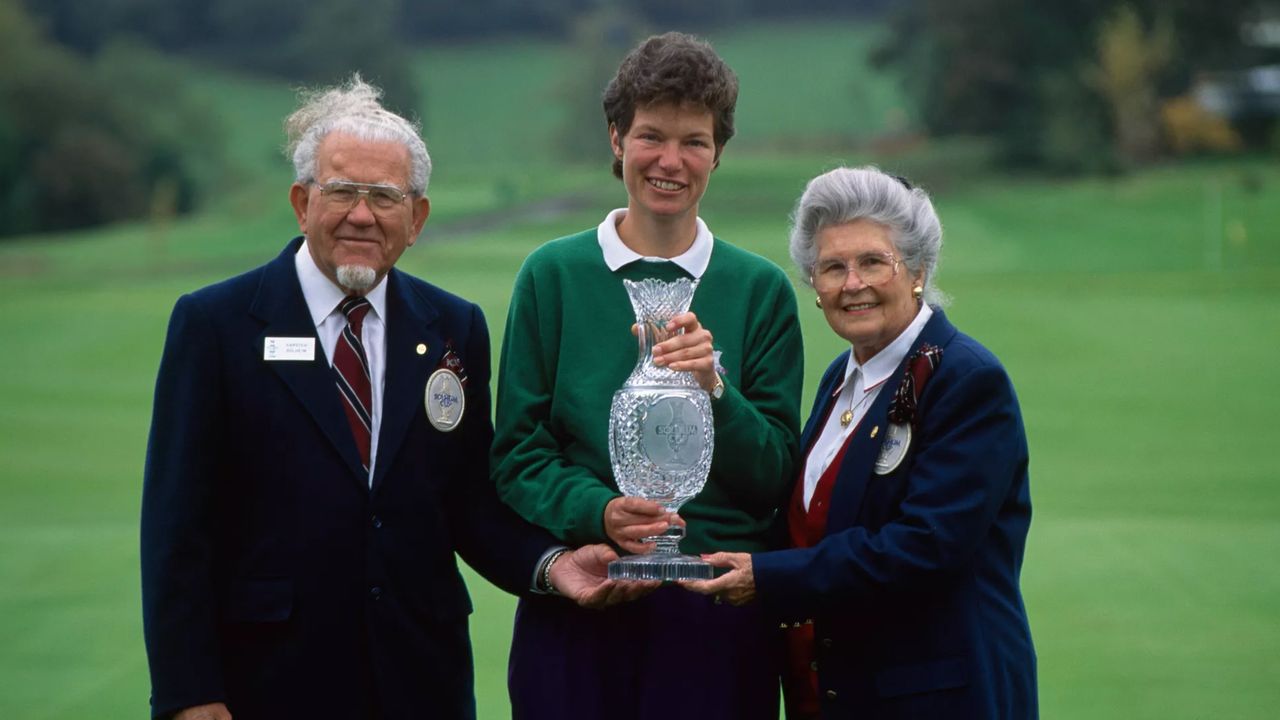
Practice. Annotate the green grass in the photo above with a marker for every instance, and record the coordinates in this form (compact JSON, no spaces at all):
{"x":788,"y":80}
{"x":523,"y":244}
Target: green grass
{"x":801,"y":83}
{"x":1143,"y":363}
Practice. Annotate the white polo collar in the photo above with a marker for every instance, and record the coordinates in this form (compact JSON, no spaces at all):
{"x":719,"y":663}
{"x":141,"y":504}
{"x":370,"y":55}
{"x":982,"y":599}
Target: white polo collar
{"x":616,"y":253}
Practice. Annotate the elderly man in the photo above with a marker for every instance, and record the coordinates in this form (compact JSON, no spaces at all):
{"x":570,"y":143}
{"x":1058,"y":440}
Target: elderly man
{"x":318,"y":452}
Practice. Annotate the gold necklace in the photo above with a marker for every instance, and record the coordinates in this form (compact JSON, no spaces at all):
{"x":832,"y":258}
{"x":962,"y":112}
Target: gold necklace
{"x":846,"y":417}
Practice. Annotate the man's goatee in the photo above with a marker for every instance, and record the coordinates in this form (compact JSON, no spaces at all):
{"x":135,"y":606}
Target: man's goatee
{"x":356,"y":277}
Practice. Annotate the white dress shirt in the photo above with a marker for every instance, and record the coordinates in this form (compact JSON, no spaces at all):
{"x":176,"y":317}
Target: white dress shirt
{"x":616,"y":253}
{"x":858,"y":392}
{"x":323,"y":298}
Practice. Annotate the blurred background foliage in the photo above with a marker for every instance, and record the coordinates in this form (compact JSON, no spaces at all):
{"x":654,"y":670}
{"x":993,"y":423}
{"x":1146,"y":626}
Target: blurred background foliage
{"x":1088,"y":86}
{"x":1063,"y":86}
{"x":80,"y":140}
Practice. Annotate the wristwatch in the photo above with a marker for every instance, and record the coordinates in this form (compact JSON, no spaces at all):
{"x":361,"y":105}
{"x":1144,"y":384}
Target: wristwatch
{"x":717,"y":390}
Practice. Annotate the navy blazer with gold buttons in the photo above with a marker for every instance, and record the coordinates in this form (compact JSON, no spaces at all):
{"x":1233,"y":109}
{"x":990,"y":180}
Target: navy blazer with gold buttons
{"x":275,"y":578}
{"x":914,"y":588}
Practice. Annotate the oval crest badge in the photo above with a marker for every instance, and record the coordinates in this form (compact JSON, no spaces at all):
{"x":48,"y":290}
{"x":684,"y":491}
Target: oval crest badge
{"x":894,"y":448}
{"x":445,"y":400}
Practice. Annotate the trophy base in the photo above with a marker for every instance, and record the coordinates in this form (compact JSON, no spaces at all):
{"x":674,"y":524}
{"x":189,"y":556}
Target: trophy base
{"x":661,"y":566}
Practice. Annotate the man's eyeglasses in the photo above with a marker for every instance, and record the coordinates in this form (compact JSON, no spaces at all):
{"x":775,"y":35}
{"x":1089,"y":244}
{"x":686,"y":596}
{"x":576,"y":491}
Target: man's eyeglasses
{"x":872,"y":268}
{"x":342,"y":196}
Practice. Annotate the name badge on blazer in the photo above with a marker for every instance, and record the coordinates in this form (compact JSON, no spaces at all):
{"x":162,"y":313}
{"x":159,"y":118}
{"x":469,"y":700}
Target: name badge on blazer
{"x":289,"y":348}
{"x":445,"y":400}
{"x":896,"y":441}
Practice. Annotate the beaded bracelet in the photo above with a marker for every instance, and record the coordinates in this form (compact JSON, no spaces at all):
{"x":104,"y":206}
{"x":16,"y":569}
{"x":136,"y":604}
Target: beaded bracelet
{"x":544,"y":577}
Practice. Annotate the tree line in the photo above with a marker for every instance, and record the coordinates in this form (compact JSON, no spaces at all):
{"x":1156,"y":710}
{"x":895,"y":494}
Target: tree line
{"x":1077,"y":86}
{"x":95,"y":125}
{"x":90,"y":140}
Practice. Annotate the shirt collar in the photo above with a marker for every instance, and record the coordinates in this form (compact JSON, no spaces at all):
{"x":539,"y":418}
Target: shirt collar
{"x":323,"y":296}
{"x":616,"y":253}
{"x":881,"y":365}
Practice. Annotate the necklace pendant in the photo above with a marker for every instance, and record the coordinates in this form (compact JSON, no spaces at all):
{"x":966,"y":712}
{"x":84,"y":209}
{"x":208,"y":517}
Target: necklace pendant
{"x":846,"y":417}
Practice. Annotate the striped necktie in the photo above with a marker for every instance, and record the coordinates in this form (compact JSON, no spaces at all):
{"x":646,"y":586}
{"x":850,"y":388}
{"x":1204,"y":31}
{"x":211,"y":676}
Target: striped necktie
{"x":351,"y":366}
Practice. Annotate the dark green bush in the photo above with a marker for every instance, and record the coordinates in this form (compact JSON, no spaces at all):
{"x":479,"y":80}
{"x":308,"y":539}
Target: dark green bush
{"x":90,"y":141}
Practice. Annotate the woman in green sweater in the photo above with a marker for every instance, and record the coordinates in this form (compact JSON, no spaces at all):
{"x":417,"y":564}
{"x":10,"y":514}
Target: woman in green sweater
{"x":569,"y":346}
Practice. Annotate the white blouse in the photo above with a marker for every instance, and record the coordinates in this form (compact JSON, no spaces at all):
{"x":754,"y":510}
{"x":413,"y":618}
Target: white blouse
{"x":856,"y":394}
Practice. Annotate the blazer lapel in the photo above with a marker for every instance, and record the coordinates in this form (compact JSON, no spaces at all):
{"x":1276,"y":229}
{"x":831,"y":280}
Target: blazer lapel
{"x":279,"y":304}
{"x":822,"y":405}
{"x":410,"y":323}
{"x":857,"y":469}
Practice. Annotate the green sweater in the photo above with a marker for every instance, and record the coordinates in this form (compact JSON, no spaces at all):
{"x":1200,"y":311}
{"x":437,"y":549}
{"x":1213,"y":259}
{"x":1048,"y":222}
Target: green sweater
{"x":569,"y":346}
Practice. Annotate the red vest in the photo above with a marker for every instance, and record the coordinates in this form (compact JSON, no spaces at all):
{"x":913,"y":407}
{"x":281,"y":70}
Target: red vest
{"x":807,"y":528}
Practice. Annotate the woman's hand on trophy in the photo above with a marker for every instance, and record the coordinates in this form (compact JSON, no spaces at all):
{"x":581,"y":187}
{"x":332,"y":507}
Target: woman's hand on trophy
{"x":628,"y":520}
{"x":689,"y":350}
{"x":738,"y":586}
{"x":583,"y":576}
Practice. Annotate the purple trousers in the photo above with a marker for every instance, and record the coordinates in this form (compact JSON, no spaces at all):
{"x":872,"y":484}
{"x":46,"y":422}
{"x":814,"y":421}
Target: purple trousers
{"x":672,"y":655}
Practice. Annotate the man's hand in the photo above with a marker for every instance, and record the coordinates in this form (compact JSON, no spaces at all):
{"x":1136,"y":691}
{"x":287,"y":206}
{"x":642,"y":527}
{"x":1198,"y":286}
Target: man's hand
{"x":583,"y":576}
{"x":212,"y":711}
{"x":738,"y":586}
{"x":628,"y":520}
{"x":689,"y":350}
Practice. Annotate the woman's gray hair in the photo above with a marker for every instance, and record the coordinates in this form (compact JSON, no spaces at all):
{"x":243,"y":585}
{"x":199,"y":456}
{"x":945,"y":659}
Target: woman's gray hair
{"x":352,"y":109}
{"x":844,"y":195}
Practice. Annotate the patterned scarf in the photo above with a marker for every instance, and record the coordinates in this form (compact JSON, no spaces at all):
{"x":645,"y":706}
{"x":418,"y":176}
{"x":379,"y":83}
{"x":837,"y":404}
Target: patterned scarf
{"x":919,"y":368}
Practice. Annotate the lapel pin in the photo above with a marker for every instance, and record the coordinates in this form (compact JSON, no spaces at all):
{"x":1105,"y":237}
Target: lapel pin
{"x":875,"y":431}
{"x":422,"y":348}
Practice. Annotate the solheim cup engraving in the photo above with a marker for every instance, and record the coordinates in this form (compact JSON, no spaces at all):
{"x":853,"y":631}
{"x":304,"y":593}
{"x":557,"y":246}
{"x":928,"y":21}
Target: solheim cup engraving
{"x":660,"y":434}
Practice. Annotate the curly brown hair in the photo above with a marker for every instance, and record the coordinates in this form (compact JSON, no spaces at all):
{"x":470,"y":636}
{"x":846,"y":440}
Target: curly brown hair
{"x":672,"y":68}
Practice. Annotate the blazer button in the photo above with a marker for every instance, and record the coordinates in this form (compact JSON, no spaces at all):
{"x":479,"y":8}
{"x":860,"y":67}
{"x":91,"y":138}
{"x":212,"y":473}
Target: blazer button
{"x":826,"y":642}
{"x":831,"y":694}
{"x":375,"y":592}
{"x":376,"y":522}
{"x":813,"y":665}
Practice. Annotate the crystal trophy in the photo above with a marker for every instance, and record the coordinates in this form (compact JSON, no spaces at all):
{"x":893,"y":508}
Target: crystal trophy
{"x":660,"y":434}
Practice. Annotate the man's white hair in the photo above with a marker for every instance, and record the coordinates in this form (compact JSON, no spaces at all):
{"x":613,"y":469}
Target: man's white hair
{"x":353,"y":109}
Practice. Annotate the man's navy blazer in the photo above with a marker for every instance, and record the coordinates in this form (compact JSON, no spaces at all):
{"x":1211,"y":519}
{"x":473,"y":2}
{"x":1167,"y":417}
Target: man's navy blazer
{"x":274,"y":577}
{"x":914,"y":589}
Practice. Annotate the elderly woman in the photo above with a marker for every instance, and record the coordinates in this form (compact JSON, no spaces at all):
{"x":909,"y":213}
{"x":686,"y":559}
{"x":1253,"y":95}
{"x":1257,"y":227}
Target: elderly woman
{"x":909,"y":517}
{"x":568,"y":347}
